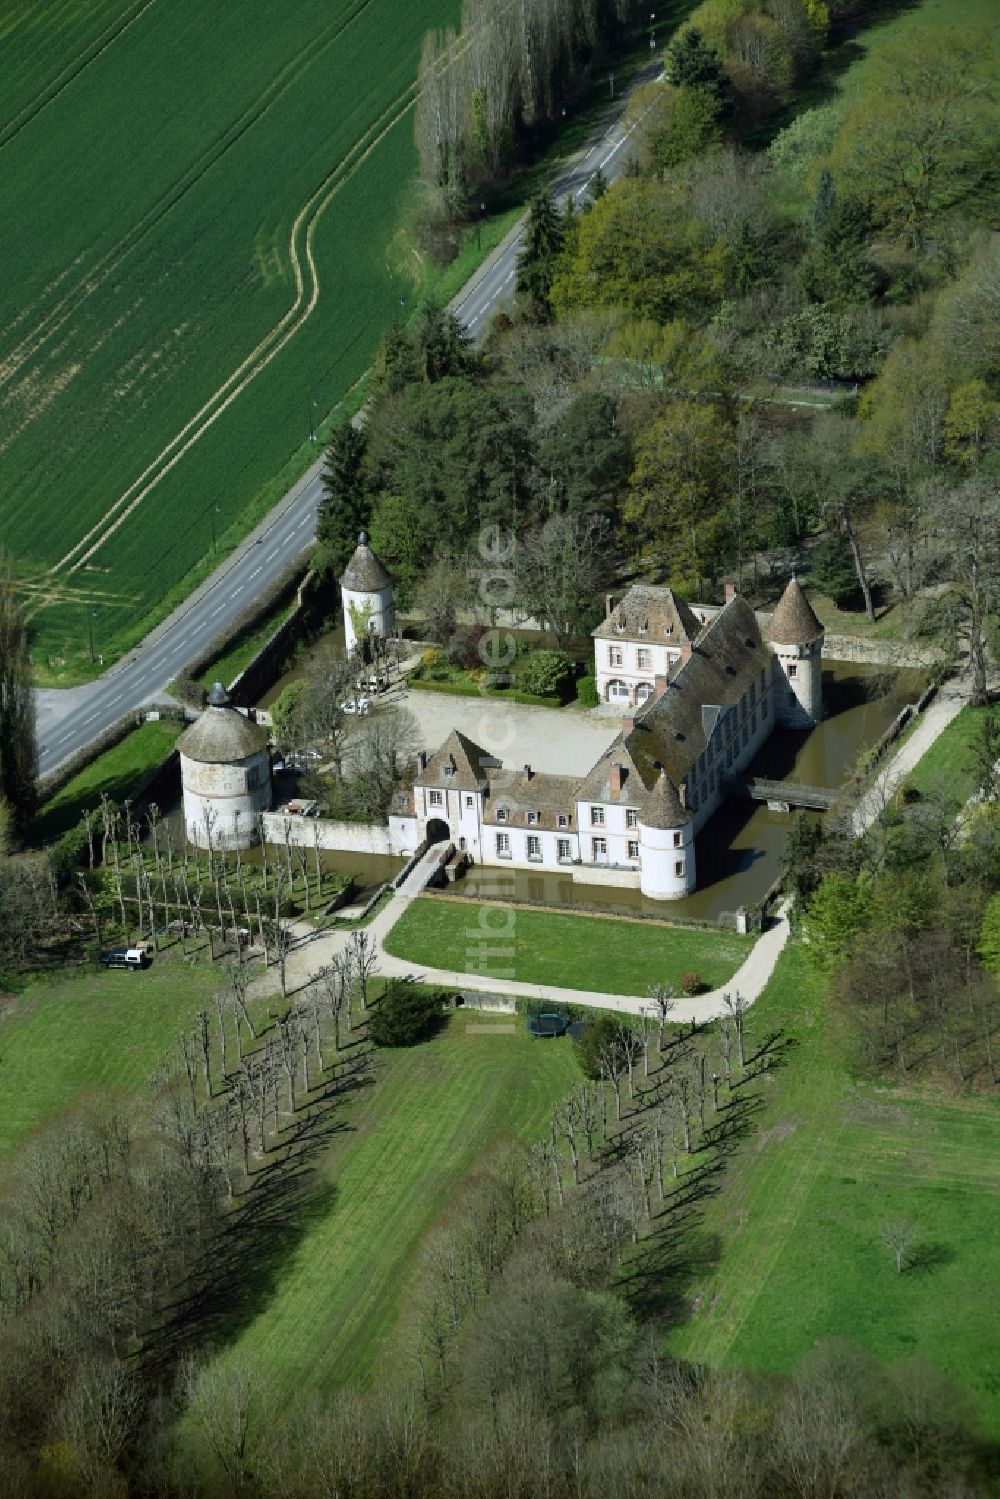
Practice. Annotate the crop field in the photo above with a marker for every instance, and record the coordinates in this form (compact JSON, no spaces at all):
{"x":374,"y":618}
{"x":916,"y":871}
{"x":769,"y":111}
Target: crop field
{"x":200,"y":207}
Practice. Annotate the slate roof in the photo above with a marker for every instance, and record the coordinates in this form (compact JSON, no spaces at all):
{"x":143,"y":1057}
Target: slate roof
{"x":519,"y":794}
{"x":469,"y":764}
{"x":794,"y":621}
{"x":365,"y":573}
{"x":596,"y":785}
{"x":672,"y":730}
{"x":663,"y":615}
{"x":664,"y":808}
{"x":221,"y":735}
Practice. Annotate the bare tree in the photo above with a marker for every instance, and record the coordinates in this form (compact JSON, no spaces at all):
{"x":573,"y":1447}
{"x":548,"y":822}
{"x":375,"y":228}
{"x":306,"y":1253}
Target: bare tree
{"x":664,"y":997}
{"x":899,"y":1237}
{"x":737,"y":1006}
{"x":364,"y":960}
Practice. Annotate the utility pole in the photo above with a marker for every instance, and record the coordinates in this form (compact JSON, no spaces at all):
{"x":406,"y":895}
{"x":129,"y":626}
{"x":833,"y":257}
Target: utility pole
{"x":90,"y":623}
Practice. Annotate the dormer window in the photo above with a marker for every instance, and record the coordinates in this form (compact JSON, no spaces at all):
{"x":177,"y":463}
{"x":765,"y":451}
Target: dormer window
{"x":532,"y":819}
{"x":449,"y":771}
{"x":501,"y":814}
{"x":643,"y":628}
{"x":563,"y":820}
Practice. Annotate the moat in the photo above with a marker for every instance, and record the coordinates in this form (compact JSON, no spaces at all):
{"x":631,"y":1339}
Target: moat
{"x":739,"y":849}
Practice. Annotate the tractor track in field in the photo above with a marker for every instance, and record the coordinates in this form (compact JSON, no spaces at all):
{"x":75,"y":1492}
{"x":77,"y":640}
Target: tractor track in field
{"x":72,"y":299}
{"x":96,"y":48}
{"x":307,"y":286}
{"x":291,"y":322}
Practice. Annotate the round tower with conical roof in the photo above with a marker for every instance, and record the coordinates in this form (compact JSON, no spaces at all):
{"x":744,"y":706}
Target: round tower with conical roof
{"x":366,"y":594}
{"x":225,"y":775}
{"x":796,"y":637}
{"x":666,"y":844}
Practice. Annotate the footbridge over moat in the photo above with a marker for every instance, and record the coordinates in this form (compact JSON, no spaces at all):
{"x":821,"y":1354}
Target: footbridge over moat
{"x":783,"y":793}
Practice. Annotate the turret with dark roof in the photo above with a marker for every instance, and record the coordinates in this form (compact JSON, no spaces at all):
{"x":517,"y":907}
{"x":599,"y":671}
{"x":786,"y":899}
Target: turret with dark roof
{"x":365,"y":572}
{"x":664,"y":808}
{"x":794,"y":621}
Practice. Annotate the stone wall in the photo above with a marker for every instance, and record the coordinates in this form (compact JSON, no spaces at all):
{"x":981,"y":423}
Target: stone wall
{"x":880,"y":652}
{"x":346,"y":837}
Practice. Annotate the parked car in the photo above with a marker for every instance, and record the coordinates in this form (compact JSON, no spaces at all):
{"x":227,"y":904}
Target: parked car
{"x":373,"y":684}
{"x":123,"y":957}
{"x":356,"y":705}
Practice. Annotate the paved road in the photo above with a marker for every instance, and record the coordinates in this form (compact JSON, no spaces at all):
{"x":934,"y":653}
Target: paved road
{"x":70,"y":719}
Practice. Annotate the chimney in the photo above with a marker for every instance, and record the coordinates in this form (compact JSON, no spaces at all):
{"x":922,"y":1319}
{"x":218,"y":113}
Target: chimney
{"x":730,"y":592}
{"x":659,"y":686}
{"x":527,"y":772}
{"x":616,"y":780}
{"x":609,"y":604}
{"x":628,"y":724}
{"x":422,"y":760}
{"x":686,"y":649}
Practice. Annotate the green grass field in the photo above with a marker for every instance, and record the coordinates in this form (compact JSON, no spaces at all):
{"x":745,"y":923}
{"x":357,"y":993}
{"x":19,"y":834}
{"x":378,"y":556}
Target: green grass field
{"x":69,"y":1033}
{"x":800,"y":1216}
{"x":948,"y":762}
{"x":411,"y":1141}
{"x":193,"y":200}
{"x":579,"y":952}
{"x":116,"y":774}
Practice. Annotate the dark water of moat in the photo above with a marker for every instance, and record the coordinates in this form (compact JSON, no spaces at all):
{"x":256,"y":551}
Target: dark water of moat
{"x":739,"y":849}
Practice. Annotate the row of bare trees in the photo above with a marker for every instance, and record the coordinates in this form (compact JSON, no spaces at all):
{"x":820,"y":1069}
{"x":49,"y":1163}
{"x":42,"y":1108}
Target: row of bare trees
{"x":512,"y":65}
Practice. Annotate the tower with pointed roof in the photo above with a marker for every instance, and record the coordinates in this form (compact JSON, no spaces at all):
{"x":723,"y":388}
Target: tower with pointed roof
{"x":225,"y":775}
{"x":666,"y":844}
{"x":796,"y":638}
{"x":366,"y":594}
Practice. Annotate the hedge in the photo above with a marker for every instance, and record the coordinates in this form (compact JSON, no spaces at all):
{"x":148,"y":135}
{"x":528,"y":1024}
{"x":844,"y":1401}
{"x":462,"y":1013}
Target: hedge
{"x":506,"y":694}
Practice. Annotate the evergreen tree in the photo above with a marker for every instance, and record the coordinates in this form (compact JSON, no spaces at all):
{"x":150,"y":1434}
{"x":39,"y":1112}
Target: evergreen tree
{"x":543,"y":240}
{"x":345,"y":507}
{"x":395,"y":364}
{"x":18,"y":753}
{"x":824,"y":203}
{"x":832,"y":569}
{"x":441,"y":346}
{"x":839,"y":269}
{"x":597,"y":186}
{"x":693,"y":63}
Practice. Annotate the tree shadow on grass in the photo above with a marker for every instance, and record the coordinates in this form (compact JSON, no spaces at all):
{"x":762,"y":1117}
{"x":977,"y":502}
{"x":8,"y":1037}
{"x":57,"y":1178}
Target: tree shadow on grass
{"x":279,"y":1204}
{"x":924,"y":1259}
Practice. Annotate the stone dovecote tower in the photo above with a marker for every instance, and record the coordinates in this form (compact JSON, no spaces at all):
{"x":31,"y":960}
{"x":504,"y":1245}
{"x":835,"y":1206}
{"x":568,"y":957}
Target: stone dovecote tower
{"x":796,"y":638}
{"x":225,"y":775}
{"x":366,"y":594}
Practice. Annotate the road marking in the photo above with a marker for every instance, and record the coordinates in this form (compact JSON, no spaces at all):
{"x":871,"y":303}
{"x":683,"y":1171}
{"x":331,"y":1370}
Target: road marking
{"x":254,"y":574}
{"x":217,"y":611}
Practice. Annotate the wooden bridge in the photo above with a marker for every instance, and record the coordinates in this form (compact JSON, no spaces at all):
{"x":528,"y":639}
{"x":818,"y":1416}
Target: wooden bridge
{"x":783,"y":793}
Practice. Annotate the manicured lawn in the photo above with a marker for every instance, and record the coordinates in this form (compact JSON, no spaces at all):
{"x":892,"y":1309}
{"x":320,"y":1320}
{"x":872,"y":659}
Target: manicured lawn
{"x":948,"y":762}
{"x":578,"y":952}
{"x":412,"y":1139}
{"x":116,"y":773}
{"x":800,"y":1217}
{"x":69,"y":1033}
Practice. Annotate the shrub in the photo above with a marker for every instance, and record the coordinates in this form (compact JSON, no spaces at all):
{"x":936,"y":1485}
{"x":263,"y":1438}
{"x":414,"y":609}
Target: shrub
{"x":586,"y":692}
{"x":599,"y":1034}
{"x":406,"y":1014}
{"x":66,"y":855}
{"x":691,"y":984}
{"x":544,"y":673}
{"x":431,"y":660}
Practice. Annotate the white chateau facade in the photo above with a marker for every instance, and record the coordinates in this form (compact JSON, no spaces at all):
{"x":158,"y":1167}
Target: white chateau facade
{"x":700,"y":691}
{"x":704,"y":695}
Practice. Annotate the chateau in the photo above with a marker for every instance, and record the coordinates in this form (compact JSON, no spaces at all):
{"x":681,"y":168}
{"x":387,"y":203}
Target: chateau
{"x":700,"y":689}
{"x":704,"y":696}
